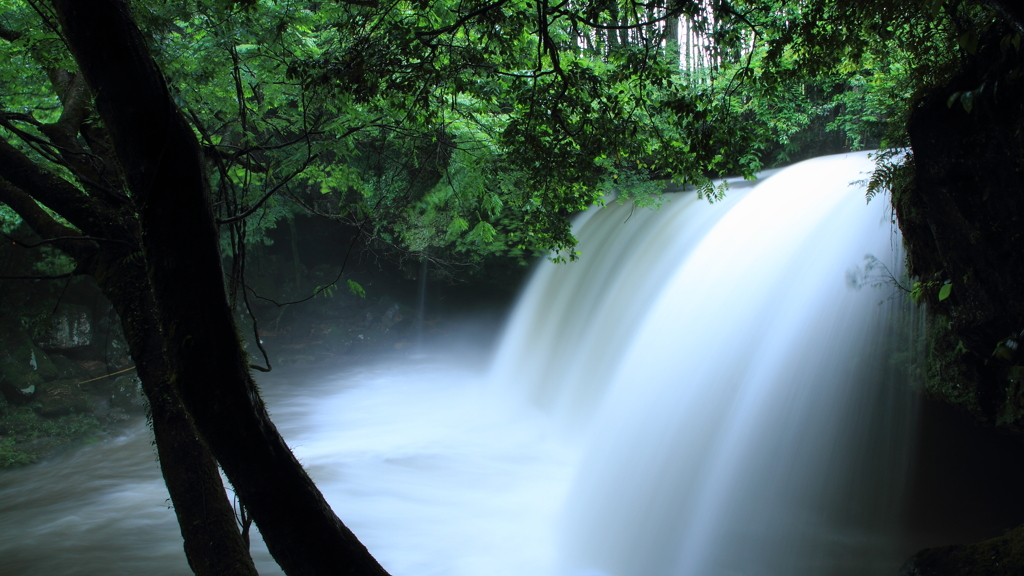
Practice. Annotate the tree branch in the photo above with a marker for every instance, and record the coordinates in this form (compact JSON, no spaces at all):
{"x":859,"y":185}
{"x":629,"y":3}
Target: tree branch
{"x":64,"y":238}
{"x":68,"y":275}
{"x":52,"y":191}
{"x":267,"y":196}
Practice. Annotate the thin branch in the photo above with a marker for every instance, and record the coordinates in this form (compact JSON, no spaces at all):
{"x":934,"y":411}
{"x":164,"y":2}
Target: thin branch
{"x":63,"y":238}
{"x":267,"y":196}
{"x":461,"y":21}
{"x":62,"y":276}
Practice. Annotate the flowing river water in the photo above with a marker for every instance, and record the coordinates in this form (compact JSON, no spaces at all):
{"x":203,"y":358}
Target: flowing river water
{"x":711,"y":390}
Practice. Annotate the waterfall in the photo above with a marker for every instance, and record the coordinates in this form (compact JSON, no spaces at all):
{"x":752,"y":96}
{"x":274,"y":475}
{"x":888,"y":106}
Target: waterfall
{"x":727,"y":369}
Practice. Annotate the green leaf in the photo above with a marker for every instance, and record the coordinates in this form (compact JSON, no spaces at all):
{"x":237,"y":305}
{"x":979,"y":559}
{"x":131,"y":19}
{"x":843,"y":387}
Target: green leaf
{"x":944,"y":291}
{"x":968,"y":101}
{"x":968,"y":41}
{"x":356,"y":289}
{"x":457,"y":226}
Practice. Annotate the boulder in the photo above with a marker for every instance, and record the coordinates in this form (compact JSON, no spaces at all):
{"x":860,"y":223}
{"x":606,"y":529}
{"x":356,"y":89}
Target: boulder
{"x":1000,"y":556}
{"x":391,"y":317}
{"x":127,"y":395}
{"x":60,"y":398}
{"x":92,"y":368}
{"x":69,"y":327}
{"x":22,"y":364}
{"x":66,"y":368}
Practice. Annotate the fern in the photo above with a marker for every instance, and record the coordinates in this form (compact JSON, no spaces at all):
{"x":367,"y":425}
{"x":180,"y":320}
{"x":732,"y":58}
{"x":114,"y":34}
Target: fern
{"x":894,"y":171}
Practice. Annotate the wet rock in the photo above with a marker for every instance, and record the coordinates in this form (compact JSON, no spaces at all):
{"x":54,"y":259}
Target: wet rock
{"x":66,"y":368}
{"x":14,"y":395}
{"x":70,"y":327}
{"x":391,"y":317}
{"x":92,"y":368}
{"x":106,"y":413}
{"x":1001,"y":556}
{"x":22,"y":365}
{"x":126,"y":394}
{"x":60,"y":398}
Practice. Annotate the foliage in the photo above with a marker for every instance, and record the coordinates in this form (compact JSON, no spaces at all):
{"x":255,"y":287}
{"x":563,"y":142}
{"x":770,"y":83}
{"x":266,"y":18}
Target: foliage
{"x":458,"y":131}
{"x":20,"y":425}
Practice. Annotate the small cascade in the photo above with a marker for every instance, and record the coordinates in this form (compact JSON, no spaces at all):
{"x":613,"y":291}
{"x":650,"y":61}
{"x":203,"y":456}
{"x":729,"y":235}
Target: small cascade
{"x":421,"y":301}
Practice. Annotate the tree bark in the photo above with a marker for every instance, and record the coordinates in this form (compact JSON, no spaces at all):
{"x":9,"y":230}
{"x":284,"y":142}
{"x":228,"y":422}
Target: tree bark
{"x":166,"y":176}
{"x":213,"y":544}
{"x":672,"y":42}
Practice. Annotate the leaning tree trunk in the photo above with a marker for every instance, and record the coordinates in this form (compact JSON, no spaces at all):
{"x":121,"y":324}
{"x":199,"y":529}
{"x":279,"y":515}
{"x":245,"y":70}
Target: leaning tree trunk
{"x":161,"y":158}
{"x":213,"y":544}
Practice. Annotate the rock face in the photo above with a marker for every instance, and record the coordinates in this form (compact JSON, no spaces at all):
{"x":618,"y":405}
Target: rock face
{"x":70,"y":327}
{"x":1002,"y":556}
{"x":962,"y":219}
{"x":23,"y":365}
{"x":963,"y":223}
{"x":61,"y":398}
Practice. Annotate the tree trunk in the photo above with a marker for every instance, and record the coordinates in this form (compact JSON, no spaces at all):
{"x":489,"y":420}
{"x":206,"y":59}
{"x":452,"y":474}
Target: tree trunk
{"x":165,"y":173}
{"x":213,"y":544}
{"x":672,"y":42}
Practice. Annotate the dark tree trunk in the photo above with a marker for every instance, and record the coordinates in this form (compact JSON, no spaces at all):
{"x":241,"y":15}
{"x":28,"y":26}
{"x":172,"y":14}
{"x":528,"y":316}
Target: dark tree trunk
{"x":165,"y":173}
{"x":213,"y":544}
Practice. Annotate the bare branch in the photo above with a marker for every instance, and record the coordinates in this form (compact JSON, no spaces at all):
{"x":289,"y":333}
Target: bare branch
{"x":267,"y":196}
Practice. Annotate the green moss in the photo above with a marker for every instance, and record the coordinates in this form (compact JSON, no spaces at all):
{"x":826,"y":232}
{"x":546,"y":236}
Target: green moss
{"x":950,"y":375}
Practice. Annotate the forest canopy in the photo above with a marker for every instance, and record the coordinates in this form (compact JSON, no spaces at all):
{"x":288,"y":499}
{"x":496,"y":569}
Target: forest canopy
{"x":461,"y":130}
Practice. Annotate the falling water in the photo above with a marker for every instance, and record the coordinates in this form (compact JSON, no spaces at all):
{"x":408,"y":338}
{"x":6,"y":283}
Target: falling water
{"x":421,"y":301}
{"x":706,"y":392}
{"x":729,"y":371}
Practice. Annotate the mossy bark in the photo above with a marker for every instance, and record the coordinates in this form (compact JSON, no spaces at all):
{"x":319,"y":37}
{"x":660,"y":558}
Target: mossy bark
{"x":962,"y":220}
{"x":213,"y":543}
{"x":963,"y":224}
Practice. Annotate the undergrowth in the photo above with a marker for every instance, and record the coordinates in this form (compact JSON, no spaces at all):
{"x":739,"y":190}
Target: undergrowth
{"x":21,"y":425}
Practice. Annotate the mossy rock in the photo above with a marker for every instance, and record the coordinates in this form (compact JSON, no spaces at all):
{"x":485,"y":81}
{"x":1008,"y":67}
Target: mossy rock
{"x":962,"y":219}
{"x":126,"y":394}
{"x":22,"y":363}
{"x":1002,"y":556}
{"x":61,"y":398}
{"x":66,"y":368}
